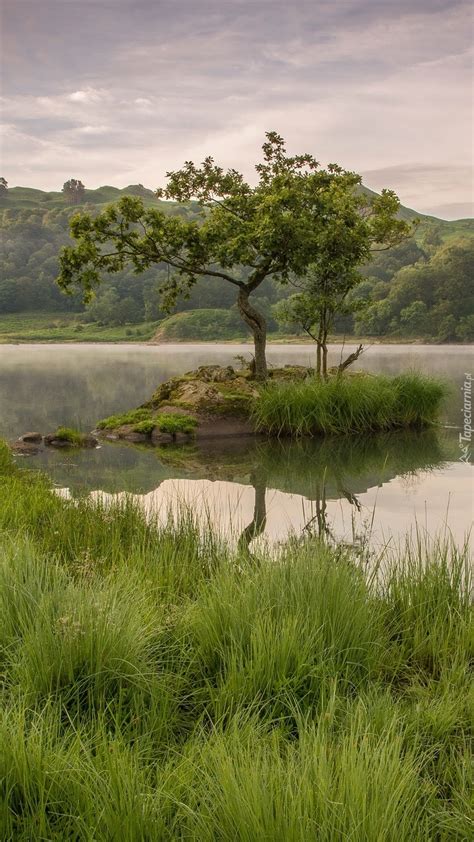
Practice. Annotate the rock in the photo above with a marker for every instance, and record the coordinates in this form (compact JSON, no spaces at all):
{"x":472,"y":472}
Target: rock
{"x":158,"y":437}
{"x":169,"y":409}
{"x":213,"y":373}
{"x":217,"y":428}
{"x":52,"y":441}
{"x":89,"y":441}
{"x":24,"y":448}
{"x":33,"y":438}
{"x":129,"y":434}
{"x":197,"y":394}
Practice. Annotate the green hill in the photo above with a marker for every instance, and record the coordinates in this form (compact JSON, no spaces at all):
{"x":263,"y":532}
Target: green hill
{"x":19,"y":198}
{"x":421,"y":288}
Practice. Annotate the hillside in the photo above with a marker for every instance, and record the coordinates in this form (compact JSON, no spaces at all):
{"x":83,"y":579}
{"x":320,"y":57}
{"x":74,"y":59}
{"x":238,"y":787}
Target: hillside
{"x":420,"y":289}
{"x":30,"y":198}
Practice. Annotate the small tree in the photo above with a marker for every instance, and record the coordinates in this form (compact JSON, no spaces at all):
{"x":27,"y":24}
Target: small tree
{"x":74,"y":191}
{"x":3,"y":186}
{"x":324,"y":289}
{"x":314,"y":308}
{"x":245,"y":233}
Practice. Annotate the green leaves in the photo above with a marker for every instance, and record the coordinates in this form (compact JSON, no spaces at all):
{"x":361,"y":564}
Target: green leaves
{"x":297,"y":216}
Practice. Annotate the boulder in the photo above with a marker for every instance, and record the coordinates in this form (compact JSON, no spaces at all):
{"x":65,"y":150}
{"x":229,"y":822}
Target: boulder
{"x":213,"y":373}
{"x":197,"y":395}
{"x":32,"y":438}
{"x":127,"y":433}
{"x":24,"y":448}
{"x":52,"y":441}
{"x":89,"y":441}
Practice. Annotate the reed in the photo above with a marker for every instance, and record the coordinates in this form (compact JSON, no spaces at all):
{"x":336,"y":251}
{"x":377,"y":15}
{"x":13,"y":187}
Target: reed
{"x":352,"y":404}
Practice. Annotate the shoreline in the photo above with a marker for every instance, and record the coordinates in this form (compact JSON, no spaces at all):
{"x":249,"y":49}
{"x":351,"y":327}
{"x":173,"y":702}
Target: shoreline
{"x":239,"y":343}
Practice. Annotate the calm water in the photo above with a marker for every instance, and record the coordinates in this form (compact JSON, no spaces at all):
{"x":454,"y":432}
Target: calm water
{"x":390,"y":484}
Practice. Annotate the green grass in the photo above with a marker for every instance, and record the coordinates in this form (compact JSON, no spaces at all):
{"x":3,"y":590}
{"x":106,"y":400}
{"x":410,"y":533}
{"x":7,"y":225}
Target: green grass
{"x":144,"y":422}
{"x":174,"y":424}
{"x":351,"y":404}
{"x":155,"y":686}
{"x":170,"y":424}
{"x":65,"y":327}
{"x":68,"y":434}
{"x":134,"y":416}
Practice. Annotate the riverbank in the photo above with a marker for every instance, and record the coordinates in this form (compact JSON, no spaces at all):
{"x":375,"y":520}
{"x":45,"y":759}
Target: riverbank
{"x":168,"y":688}
{"x":52,"y":328}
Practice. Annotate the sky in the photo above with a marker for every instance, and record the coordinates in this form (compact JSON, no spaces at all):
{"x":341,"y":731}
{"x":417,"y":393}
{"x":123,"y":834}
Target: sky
{"x":121,"y":91}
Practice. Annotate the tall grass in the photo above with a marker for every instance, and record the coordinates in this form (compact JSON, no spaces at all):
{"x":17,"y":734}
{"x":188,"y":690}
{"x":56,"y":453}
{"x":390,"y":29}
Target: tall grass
{"x":155,"y":687}
{"x":357,"y":404}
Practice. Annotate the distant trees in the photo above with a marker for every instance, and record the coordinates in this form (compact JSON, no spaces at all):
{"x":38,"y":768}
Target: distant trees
{"x":245,"y":234}
{"x":3,"y":186}
{"x":31,"y":238}
{"x":433,"y":298}
{"x":109,"y":308}
{"x":74,"y":191}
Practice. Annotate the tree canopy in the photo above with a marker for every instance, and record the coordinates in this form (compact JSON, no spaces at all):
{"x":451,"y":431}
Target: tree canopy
{"x":74,"y":191}
{"x":296,"y":212}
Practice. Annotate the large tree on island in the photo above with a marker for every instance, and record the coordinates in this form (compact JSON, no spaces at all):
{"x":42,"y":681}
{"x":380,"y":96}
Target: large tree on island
{"x":245,"y":233}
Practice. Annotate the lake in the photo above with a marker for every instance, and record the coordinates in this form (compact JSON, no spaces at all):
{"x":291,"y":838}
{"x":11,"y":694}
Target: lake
{"x":385,"y":485}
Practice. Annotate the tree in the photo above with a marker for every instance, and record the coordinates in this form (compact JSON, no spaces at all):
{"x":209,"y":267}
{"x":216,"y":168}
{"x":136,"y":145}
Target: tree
{"x":3,"y":187}
{"x":326,"y":286}
{"x":413,"y":319}
{"x":323,"y":295}
{"x":74,"y":191}
{"x":244,"y":235}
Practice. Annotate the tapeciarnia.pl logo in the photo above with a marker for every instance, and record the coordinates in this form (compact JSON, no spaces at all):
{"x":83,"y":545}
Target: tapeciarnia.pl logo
{"x":465,"y":437}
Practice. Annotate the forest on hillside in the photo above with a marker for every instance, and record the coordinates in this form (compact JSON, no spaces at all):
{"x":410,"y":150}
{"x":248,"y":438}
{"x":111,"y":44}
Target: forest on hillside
{"x":421,"y":288}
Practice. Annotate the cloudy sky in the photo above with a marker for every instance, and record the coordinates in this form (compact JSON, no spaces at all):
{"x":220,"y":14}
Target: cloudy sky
{"x":119,"y":91}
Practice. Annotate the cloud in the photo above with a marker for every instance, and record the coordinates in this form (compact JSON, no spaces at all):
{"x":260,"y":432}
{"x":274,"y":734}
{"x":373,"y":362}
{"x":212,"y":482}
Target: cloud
{"x":128,"y":89}
{"x":88,"y":95}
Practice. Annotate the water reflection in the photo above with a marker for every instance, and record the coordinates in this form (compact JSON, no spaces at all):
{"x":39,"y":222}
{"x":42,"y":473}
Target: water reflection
{"x":259,"y":490}
{"x":254,"y":489}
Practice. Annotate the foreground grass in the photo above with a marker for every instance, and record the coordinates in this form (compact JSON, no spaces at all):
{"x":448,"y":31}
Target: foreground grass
{"x":157,"y":687}
{"x":351,"y":404}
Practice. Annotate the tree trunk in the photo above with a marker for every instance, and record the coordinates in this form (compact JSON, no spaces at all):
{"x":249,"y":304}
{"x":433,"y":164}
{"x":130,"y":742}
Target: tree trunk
{"x":324,"y":348}
{"x":258,"y":326}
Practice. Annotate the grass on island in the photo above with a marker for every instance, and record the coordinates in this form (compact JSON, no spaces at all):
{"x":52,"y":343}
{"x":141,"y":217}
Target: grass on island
{"x":71,"y":436}
{"x":158,"y":687}
{"x":133,"y":416}
{"x":360,"y":403}
{"x":144,"y":422}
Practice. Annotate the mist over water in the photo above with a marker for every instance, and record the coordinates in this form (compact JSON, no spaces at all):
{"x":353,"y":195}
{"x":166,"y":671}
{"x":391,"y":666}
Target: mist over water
{"x":387,"y":484}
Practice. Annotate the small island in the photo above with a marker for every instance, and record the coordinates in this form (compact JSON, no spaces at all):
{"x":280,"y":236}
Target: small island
{"x":216,"y":401}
